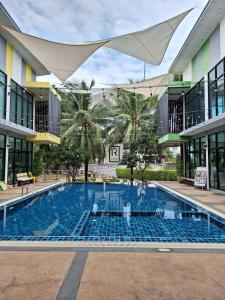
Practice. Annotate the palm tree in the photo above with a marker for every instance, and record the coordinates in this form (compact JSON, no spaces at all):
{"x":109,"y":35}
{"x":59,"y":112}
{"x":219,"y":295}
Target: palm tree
{"x":129,"y":109}
{"x":87,"y":120}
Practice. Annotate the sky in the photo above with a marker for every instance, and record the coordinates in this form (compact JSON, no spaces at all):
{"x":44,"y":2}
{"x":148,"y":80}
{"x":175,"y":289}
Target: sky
{"x":72,"y":21}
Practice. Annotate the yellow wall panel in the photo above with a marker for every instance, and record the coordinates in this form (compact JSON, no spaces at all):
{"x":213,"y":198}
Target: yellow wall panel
{"x":28,"y":73}
{"x":9,"y":60}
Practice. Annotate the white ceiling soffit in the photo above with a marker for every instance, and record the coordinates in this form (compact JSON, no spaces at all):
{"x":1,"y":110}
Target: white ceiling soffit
{"x":63,"y":60}
{"x":150,"y":44}
{"x":147,"y":87}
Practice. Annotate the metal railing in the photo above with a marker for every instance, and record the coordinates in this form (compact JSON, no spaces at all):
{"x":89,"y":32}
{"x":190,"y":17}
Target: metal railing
{"x":37,"y":122}
{"x":174,"y":123}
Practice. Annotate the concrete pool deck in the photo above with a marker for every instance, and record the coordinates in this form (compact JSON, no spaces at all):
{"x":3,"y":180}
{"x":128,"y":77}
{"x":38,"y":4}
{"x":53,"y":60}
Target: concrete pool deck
{"x":111,"y":276}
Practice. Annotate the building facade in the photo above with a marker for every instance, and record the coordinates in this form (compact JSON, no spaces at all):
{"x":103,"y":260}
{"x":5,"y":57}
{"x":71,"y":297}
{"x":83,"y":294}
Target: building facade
{"x":29,"y":110}
{"x":201,"y":62}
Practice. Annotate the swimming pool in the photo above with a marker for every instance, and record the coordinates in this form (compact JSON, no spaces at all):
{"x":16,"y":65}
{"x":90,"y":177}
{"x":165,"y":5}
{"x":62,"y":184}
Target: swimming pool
{"x":109,"y":212}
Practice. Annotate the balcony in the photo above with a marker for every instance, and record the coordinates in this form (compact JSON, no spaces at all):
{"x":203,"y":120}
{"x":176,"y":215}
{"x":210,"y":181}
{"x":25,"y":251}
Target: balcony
{"x":47,"y":130}
{"x":195,"y":127}
{"x":170,"y":114}
{"x":47,"y":112}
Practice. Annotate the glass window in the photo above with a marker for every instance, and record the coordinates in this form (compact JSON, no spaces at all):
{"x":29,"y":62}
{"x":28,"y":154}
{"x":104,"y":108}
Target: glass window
{"x":195,"y":105}
{"x":2,"y":156}
{"x":220,"y":95}
{"x":20,"y":158}
{"x":20,"y":113}
{"x":212,"y":104}
{"x":195,"y":156}
{"x":217,"y":160}
{"x":13,"y":106}
{"x":19,"y":110}
{"x":212,"y":75}
{"x":216,"y":90}
{"x":3,"y":81}
{"x":220,"y":69}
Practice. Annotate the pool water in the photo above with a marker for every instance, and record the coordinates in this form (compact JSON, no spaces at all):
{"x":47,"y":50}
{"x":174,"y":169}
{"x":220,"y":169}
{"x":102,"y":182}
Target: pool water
{"x":109,"y":212}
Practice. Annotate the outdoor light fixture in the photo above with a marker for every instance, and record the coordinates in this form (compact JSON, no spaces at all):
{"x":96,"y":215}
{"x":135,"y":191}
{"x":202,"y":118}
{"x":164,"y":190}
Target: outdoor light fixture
{"x":182,"y":93}
{"x":41,"y":97}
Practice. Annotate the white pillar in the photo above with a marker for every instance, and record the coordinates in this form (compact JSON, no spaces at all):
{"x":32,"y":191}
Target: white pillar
{"x":8,"y":98}
{"x":184,"y":118}
{"x":206,"y":97}
{"x":207,"y":161}
{"x":184,"y":162}
{"x":33,"y":113}
{"x":6,"y":158}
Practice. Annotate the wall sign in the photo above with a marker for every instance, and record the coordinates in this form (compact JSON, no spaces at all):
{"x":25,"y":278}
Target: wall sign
{"x":114,"y":154}
{"x":200,"y":176}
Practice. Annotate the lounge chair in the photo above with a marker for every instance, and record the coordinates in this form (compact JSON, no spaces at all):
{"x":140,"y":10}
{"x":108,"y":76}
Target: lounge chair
{"x":23,"y":178}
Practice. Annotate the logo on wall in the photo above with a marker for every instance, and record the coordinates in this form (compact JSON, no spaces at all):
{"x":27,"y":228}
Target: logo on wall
{"x":114,"y":154}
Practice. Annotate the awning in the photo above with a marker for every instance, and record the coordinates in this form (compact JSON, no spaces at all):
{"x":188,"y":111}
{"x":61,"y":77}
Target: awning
{"x":149,"y":87}
{"x":63,"y":60}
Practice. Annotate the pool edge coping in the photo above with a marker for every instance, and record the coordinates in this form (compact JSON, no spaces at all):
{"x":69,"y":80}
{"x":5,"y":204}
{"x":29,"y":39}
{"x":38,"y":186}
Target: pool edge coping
{"x":111,"y":245}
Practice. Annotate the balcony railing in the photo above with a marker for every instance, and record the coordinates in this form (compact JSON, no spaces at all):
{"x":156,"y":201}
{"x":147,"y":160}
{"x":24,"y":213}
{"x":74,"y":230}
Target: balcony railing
{"x":175,"y":121}
{"x":42,"y":123}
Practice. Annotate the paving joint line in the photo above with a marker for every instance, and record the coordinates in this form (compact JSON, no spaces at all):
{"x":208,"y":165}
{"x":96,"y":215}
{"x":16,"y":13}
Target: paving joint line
{"x":71,"y":282}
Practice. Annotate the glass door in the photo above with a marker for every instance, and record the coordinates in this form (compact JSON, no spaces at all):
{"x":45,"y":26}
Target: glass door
{"x":221,"y":169}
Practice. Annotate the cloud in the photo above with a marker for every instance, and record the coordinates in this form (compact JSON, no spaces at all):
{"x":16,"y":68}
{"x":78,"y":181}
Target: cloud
{"x":72,"y":21}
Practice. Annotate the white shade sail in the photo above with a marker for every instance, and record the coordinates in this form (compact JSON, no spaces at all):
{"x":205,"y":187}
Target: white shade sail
{"x":63,"y":60}
{"x":60,"y":59}
{"x":150,"y":44}
{"x":147,"y":88}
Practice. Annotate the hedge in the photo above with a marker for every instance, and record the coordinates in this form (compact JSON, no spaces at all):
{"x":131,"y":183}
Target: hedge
{"x":166,"y":175}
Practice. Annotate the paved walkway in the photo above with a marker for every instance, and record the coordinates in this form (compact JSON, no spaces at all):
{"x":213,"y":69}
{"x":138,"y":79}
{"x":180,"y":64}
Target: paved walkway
{"x":215,"y":200}
{"x":111,"y":276}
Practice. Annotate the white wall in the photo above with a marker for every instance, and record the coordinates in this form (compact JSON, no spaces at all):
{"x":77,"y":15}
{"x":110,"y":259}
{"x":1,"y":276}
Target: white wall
{"x":2,"y":54}
{"x":214,"y":44}
{"x":187,"y":74}
{"x":222,"y":38}
{"x":17,"y":67}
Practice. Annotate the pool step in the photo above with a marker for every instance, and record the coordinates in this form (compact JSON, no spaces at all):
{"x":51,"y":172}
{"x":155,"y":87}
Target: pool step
{"x":81,"y":223}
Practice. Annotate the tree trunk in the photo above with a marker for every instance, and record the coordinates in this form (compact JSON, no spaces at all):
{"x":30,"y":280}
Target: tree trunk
{"x":131,"y":175}
{"x":86,"y":170}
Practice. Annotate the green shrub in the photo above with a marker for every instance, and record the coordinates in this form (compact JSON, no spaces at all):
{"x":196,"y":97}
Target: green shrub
{"x":38,"y":166}
{"x":179,"y":165}
{"x":165,"y":175}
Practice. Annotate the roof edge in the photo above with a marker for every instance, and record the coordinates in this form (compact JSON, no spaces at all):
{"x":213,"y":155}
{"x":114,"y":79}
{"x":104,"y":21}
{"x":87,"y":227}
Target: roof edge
{"x":7,"y":14}
{"x":188,"y":37}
